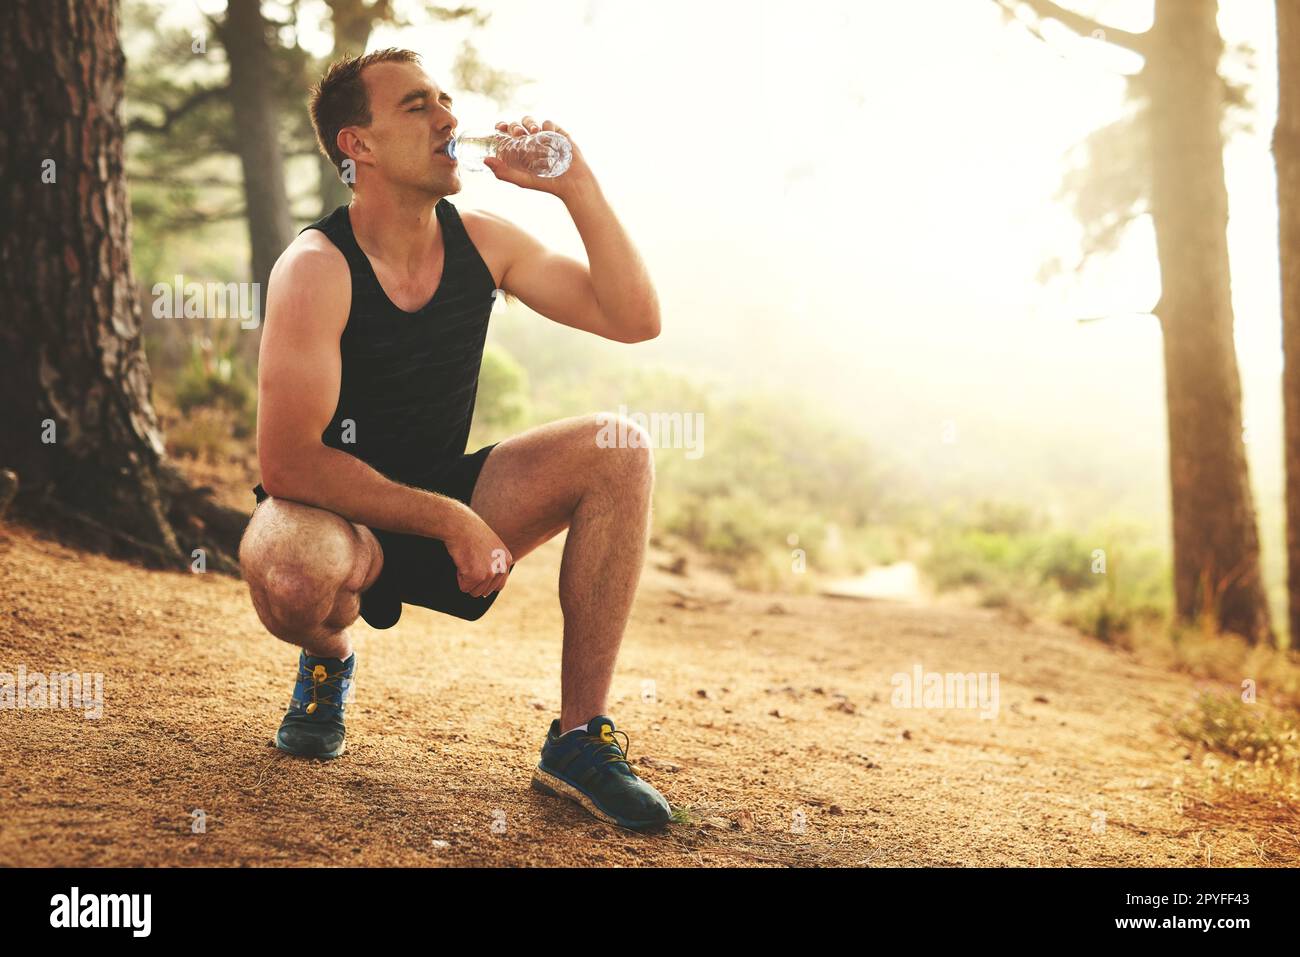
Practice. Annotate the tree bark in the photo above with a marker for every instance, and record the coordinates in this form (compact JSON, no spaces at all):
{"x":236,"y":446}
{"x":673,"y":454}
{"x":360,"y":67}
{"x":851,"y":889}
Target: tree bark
{"x":1216,"y":546}
{"x":1286,"y":153}
{"x":80,"y":430}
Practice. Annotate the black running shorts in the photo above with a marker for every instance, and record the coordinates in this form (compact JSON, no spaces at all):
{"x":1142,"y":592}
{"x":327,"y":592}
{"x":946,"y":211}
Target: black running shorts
{"x":418,"y":570}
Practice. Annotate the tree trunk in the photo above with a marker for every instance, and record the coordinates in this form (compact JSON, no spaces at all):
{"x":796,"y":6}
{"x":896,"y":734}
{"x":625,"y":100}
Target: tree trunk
{"x":257,"y":122}
{"x":80,"y":430}
{"x":1286,"y":152}
{"x":1216,"y":546}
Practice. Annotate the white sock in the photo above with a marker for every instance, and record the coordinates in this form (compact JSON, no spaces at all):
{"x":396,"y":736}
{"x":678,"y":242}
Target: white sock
{"x":581,"y":727}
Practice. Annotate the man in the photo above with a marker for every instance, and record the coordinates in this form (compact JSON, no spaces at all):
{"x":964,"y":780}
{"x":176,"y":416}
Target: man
{"x":375,"y":322}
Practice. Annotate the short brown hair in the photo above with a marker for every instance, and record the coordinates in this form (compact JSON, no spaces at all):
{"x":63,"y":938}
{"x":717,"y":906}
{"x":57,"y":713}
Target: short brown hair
{"x":340,"y":98}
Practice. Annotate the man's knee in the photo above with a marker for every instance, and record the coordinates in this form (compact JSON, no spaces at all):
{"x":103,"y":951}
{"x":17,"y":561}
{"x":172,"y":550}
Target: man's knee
{"x":626,"y":449}
{"x":293,"y":601}
{"x":299,"y":562}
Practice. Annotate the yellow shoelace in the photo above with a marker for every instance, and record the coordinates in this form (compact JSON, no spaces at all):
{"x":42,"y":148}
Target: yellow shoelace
{"x":606,"y":735}
{"x":320,"y":677}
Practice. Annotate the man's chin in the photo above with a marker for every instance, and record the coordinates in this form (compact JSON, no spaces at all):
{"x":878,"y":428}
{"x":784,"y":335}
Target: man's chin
{"x":444,"y":184}
{"x":433,"y":184}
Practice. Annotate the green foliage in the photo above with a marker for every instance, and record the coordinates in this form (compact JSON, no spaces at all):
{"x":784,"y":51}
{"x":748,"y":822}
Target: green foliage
{"x":1103,"y":581}
{"x":216,"y":378}
{"x":502,"y":390}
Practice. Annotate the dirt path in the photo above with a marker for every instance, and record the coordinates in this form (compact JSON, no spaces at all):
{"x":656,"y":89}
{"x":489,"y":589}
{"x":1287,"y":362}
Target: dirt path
{"x":765,"y":709}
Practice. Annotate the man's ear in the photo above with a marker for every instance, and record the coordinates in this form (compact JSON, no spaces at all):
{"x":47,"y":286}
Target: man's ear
{"x":351,"y":145}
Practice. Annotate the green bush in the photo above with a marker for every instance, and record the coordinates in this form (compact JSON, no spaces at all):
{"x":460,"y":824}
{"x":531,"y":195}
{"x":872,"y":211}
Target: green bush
{"x":502,"y":401}
{"x":213,"y":379}
{"x":1009,"y":555}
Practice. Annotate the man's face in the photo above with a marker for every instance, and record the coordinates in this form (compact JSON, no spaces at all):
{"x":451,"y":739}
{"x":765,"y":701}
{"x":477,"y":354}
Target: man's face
{"x":411,"y":121}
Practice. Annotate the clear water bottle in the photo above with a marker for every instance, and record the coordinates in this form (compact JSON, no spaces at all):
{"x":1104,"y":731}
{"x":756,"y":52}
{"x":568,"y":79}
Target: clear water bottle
{"x":545,"y":154}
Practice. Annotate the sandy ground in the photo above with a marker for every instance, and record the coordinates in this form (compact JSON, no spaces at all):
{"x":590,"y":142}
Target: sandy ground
{"x":771,"y":726}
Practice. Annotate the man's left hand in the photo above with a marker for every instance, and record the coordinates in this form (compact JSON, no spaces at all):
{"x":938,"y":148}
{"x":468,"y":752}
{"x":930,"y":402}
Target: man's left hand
{"x":563,"y":185}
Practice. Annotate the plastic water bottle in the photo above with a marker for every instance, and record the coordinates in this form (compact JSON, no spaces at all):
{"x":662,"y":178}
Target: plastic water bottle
{"x":543,"y":154}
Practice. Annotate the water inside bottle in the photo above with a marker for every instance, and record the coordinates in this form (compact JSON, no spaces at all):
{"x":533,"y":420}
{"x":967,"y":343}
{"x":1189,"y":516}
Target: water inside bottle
{"x":547,"y":154}
{"x":469,"y":151}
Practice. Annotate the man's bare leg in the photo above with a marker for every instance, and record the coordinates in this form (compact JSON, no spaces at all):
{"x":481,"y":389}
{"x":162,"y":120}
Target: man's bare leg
{"x":555,"y":476}
{"x":306,"y":568}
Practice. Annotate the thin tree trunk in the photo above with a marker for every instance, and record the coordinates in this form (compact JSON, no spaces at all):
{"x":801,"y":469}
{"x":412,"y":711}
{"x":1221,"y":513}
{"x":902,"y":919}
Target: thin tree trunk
{"x":80,"y":430}
{"x":1216,"y":546}
{"x":1286,"y":152}
{"x":257,"y":123}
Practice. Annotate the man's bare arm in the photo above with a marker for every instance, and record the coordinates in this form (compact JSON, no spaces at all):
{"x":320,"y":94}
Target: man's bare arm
{"x":298,"y":379}
{"x":612,"y":298}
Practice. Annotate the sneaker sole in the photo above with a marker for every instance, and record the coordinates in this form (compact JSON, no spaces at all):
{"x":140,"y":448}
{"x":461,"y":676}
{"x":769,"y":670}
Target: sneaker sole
{"x":548,"y":783}
{"x":324,"y":757}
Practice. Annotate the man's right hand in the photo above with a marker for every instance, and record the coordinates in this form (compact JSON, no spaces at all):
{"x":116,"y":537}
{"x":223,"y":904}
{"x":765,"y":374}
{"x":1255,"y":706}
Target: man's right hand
{"x":482,"y":560}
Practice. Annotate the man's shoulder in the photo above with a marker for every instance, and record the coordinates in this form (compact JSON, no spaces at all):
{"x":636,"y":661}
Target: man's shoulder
{"x":476,"y":221}
{"x":482,"y":217}
{"x":493,"y":237}
{"x":312,"y":274}
{"x":311,"y":256}
{"x":313,"y":243}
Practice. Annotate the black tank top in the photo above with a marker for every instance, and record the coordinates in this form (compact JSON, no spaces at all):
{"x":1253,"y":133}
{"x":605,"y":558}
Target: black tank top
{"x":410,"y":379}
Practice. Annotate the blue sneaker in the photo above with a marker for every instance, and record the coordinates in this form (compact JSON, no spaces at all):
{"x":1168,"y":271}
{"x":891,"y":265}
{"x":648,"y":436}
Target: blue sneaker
{"x":313,"y":726}
{"x":589,"y":767}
